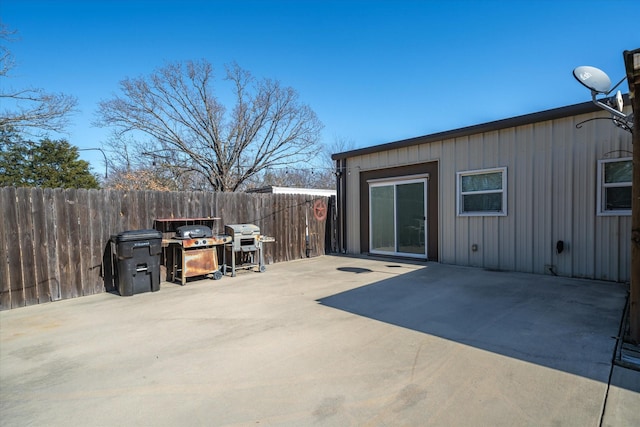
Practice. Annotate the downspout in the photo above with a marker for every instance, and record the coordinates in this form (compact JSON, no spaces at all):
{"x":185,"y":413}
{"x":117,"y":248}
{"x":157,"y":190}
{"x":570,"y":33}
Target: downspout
{"x":341,"y":187}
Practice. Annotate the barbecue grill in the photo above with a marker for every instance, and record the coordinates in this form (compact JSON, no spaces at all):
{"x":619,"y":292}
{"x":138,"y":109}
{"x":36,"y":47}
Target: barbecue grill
{"x":194,"y":253}
{"x":245,"y":247}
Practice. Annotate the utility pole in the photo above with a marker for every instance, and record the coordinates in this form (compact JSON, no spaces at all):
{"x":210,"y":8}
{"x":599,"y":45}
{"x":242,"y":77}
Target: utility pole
{"x":632,"y":66}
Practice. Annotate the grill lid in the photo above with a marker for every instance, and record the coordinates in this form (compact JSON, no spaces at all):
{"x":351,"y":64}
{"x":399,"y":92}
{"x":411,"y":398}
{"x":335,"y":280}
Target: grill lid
{"x":242,"y":229}
{"x":193,"y":231}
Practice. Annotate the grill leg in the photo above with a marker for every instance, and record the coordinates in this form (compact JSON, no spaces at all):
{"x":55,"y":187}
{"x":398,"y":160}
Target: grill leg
{"x":261,"y":266}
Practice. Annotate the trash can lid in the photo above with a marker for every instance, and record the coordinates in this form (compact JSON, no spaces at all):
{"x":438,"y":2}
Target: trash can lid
{"x":133,"y":235}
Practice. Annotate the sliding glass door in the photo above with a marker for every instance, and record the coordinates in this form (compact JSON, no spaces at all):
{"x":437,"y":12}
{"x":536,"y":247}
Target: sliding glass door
{"x":397,"y":211}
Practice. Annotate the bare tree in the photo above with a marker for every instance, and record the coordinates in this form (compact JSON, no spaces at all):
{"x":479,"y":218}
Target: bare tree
{"x":340,"y":144}
{"x":187,"y":128}
{"x":30,"y":109}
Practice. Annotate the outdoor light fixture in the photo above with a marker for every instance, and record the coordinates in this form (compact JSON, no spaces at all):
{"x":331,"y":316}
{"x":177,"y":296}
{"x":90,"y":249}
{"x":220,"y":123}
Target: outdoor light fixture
{"x":598,"y":82}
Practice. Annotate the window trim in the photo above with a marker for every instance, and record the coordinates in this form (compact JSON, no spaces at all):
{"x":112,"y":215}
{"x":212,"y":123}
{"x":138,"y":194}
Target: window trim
{"x":602,"y":186}
{"x":460,"y":194}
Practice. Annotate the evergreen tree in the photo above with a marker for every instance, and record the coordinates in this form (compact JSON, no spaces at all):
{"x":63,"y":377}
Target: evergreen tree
{"x":48,"y":163}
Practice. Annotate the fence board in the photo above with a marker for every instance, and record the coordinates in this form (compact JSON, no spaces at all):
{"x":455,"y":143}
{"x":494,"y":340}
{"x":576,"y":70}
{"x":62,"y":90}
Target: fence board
{"x":115,"y":220}
{"x":85,"y":271}
{"x":98,"y":240}
{"x":16,"y":281}
{"x":75,"y":253}
{"x":25,"y":241}
{"x":125,"y":211}
{"x":5,"y":245}
{"x":53,"y":264}
{"x":41,"y":268}
{"x":62,"y":243}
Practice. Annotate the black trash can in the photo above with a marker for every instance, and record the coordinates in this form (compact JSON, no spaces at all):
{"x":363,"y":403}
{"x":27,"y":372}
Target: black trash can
{"x":138,"y":266}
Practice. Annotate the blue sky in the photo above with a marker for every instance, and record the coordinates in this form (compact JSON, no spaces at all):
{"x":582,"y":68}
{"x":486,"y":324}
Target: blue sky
{"x":374,"y":71}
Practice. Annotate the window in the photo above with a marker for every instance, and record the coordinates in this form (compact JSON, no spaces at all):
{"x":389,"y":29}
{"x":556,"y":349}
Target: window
{"x":482,"y":192}
{"x":614,"y":186}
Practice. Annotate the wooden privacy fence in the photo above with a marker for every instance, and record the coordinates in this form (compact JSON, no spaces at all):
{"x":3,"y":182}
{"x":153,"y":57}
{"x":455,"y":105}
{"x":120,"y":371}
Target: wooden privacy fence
{"x":55,"y":243}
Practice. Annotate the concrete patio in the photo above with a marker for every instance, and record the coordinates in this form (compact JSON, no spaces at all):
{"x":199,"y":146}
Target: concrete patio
{"x":330,"y":341}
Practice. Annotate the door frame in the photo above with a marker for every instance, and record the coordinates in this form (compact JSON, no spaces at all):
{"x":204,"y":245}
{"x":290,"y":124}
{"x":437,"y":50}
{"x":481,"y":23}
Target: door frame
{"x":395,"y":181}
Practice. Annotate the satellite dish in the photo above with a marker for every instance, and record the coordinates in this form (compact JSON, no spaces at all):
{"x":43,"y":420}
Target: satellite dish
{"x":619,"y":101}
{"x":593,"y":78}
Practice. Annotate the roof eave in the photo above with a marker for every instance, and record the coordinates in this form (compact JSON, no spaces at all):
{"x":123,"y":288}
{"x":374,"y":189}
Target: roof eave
{"x":556,"y":113}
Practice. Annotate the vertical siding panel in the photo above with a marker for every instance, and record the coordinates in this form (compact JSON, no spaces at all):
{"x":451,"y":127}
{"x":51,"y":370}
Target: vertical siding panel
{"x":462,"y":223}
{"x":403,"y":156}
{"x":477,"y":230}
{"x":538,"y":195}
{"x":508,"y":238}
{"x":383,"y":160}
{"x":414,"y":154}
{"x":448,"y":218}
{"x":615,"y":239}
{"x":435,"y":151}
{"x":624,"y":266}
{"x":541,"y":193}
{"x":563,"y":201}
{"x":584,"y":202}
{"x":522,"y":172}
{"x":579,"y":240}
{"x":490,"y":245}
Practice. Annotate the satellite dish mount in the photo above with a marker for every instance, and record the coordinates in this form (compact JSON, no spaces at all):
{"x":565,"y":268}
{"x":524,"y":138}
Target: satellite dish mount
{"x":598,"y":83}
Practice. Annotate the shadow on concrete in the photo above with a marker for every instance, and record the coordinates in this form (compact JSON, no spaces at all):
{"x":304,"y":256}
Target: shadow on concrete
{"x":565,"y":324}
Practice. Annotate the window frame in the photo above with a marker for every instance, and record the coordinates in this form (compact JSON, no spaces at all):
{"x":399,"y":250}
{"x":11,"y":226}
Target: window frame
{"x":460,"y":194}
{"x":602,"y":187}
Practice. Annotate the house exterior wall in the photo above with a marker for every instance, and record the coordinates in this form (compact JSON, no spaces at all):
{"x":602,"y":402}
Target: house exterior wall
{"x":551,"y":196}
